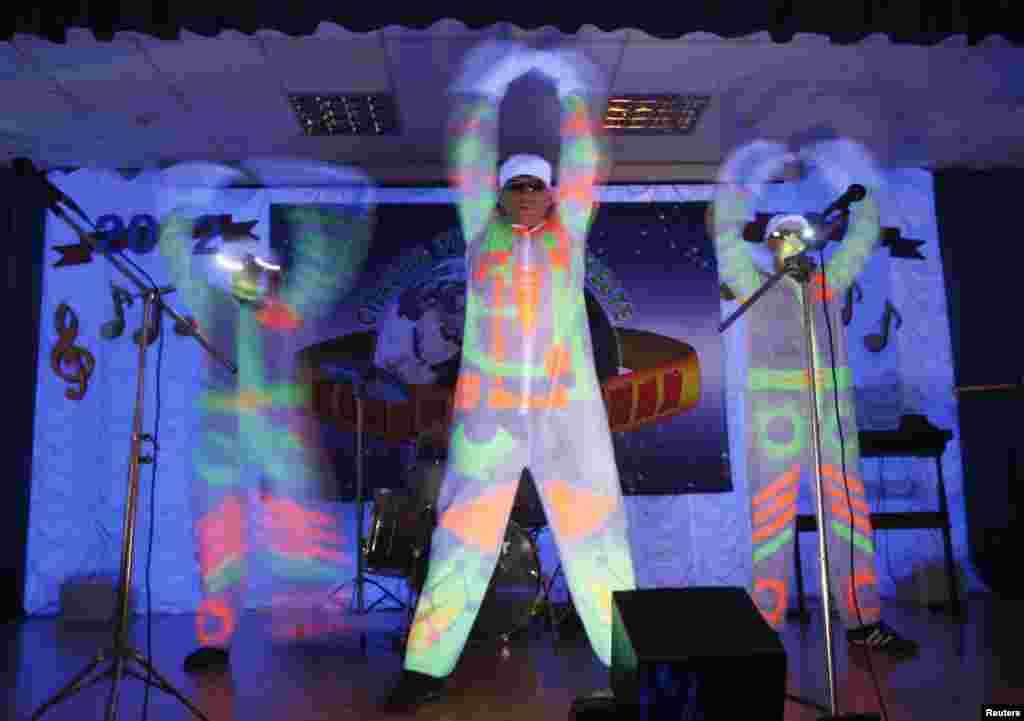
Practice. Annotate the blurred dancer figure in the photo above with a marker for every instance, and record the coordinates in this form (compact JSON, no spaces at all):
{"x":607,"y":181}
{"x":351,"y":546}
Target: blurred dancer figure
{"x":258,"y":419}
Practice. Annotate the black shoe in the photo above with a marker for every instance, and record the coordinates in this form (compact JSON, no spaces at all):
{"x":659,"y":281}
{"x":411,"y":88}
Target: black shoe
{"x":597,"y":705}
{"x":412,"y":691}
{"x":207,"y":658}
{"x":879,"y":636}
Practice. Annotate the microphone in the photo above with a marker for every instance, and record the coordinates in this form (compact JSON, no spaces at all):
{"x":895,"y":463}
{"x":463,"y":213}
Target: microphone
{"x":853,"y":194}
{"x":24,"y":168}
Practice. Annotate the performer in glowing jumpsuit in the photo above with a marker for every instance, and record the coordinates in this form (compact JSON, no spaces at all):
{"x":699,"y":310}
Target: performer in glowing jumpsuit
{"x":527,"y":394}
{"x":777,"y":413}
{"x":259,"y":419}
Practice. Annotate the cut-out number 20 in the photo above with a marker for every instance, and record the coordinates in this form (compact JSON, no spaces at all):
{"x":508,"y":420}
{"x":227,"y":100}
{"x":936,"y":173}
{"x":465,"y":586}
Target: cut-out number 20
{"x":140,"y":236}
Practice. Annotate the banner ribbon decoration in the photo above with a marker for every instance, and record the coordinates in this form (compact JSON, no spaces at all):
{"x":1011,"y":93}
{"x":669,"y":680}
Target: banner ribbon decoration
{"x":77,"y":254}
{"x":210,"y":226}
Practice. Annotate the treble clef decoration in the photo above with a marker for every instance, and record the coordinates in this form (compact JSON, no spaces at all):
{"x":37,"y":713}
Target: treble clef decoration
{"x":876,"y":342}
{"x":854,"y":294}
{"x":71,"y":363}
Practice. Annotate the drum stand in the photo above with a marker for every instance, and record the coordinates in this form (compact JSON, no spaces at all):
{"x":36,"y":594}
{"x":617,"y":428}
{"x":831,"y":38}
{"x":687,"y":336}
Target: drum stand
{"x":359,"y":582}
{"x":544,"y":599}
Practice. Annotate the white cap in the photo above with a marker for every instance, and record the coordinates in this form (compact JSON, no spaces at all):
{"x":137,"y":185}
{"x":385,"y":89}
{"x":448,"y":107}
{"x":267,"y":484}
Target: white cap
{"x":779,"y":220}
{"x":532,"y":165}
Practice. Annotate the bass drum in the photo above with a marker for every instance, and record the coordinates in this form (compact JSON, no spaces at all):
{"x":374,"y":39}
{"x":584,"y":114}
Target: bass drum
{"x":515,"y":587}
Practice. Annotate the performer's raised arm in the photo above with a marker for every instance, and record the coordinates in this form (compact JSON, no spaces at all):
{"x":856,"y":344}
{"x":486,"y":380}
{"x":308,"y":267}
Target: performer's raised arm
{"x":474,"y":161}
{"x":330,"y":252}
{"x":843,"y":162}
{"x":176,"y":246}
{"x":579,"y":165}
{"x":731,"y":212}
{"x":861,"y":240}
{"x":473,"y":131}
{"x":583,"y":157}
{"x":744,"y":170}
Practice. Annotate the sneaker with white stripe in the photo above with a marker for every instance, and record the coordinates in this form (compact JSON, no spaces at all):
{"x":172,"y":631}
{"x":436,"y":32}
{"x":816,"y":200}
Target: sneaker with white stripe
{"x":881,"y":637}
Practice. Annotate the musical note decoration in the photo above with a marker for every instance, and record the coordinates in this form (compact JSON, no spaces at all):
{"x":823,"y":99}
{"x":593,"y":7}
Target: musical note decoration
{"x":73,"y":364}
{"x":114,"y":328}
{"x":876,"y":342}
{"x":854,"y":294}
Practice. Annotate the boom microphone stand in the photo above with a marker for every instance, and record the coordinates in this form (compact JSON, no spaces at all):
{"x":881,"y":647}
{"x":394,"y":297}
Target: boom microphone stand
{"x":800,"y":267}
{"x":121,"y":656}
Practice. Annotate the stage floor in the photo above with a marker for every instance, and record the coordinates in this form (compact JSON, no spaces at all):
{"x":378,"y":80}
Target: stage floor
{"x":535,"y":679}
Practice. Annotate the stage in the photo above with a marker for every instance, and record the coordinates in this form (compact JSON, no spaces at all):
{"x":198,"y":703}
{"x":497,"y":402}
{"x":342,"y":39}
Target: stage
{"x":961,"y":667}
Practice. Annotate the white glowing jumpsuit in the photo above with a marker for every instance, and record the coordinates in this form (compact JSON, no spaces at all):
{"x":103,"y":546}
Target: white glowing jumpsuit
{"x":527,"y":396}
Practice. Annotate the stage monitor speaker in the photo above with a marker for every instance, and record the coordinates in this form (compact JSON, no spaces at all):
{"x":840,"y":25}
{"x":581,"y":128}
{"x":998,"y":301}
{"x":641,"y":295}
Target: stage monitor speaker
{"x":695,"y":653}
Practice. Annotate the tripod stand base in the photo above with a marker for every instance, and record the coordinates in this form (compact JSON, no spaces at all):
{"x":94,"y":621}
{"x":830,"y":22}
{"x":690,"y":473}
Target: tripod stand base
{"x":361,"y":608}
{"x":119,"y":659}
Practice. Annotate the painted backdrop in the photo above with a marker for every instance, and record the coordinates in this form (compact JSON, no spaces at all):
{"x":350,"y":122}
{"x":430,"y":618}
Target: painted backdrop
{"x":80,"y":453}
{"x":653,"y":305}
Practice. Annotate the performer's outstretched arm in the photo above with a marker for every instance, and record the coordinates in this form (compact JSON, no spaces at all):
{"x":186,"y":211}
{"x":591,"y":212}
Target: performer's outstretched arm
{"x":582,"y":158}
{"x":474,"y":161}
{"x":859,"y":243}
{"x":329,"y":255}
{"x":175,"y":245}
{"x":840,"y":163}
{"x":731,"y":212}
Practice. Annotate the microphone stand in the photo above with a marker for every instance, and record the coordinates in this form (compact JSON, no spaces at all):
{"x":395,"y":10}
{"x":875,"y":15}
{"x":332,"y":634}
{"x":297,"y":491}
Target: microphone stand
{"x":800,"y":267}
{"x":121,"y":655}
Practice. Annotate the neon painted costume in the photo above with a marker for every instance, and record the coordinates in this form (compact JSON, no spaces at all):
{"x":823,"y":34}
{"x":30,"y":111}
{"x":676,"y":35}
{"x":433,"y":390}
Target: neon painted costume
{"x":527,"y":396}
{"x":257,"y":419}
{"x":779,"y":443}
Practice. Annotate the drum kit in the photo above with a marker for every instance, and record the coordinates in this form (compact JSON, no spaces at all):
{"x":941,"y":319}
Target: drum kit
{"x":397,"y":543}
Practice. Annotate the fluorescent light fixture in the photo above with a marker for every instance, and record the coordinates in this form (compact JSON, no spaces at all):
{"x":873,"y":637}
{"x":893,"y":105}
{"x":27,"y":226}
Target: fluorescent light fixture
{"x":345,"y":114}
{"x":654,"y":114}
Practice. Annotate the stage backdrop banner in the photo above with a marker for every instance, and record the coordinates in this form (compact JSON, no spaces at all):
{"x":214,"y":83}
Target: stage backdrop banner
{"x":653,"y":305}
{"x":649,"y":276}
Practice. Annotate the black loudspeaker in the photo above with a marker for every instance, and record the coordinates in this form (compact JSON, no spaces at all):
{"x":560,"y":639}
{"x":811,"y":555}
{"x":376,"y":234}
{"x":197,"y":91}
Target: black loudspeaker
{"x":695,"y":653}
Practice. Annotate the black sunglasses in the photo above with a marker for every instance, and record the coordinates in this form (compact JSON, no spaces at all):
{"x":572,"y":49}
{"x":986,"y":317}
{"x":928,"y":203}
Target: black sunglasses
{"x":526,"y":186}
